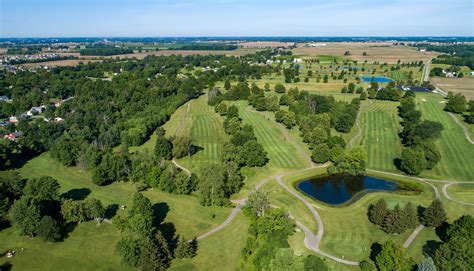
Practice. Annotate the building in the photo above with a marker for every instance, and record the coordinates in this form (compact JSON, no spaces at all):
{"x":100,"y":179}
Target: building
{"x":13,"y":119}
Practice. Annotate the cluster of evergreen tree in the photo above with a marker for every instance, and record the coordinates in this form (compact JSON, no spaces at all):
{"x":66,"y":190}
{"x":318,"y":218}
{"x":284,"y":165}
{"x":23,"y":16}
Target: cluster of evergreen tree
{"x":144,"y":245}
{"x":458,"y":104}
{"x":397,"y":220}
{"x":418,"y":136}
{"x":267,"y":246}
{"x":35,"y":207}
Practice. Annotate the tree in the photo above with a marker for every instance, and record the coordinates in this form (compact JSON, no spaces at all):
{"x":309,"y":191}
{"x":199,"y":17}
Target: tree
{"x":163,"y":146}
{"x":279,"y":88}
{"x":393,"y":222}
{"x":456,"y":103}
{"x":48,"y":229}
{"x":129,"y":249}
{"x":94,"y":210}
{"x":434,"y":215}
{"x":212,"y":188}
{"x":254,"y":154}
{"x":227,"y":84}
{"x":409,"y":216}
{"x":457,"y":253}
{"x":155,"y":254}
{"x":25,"y":215}
{"x":378,"y":212}
{"x":432,"y":155}
{"x":352,"y":161}
{"x":266,"y":87}
{"x":367,"y":265}
{"x":74,"y":211}
{"x":321,"y":153}
{"x":182,"y":146}
{"x":412,"y":161}
{"x":221,"y":108}
{"x":336,"y":152}
{"x":427,"y":265}
{"x":314,"y":263}
{"x":232,"y":112}
{"x":363,"y":96}
{"x":392,"y":257}
{"x":42,"y":189}
{"x":184,"y":249}
{"x":284,"y":260}
{"x":318,"y":135}
{"x":258,"y":202}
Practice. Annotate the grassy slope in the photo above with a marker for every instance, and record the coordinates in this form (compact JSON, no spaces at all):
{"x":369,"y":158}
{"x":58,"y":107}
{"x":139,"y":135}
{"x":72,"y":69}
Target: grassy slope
{"x":456,"y":152}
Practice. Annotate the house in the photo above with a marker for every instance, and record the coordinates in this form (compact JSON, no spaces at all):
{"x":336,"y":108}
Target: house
{"x":298,"y":60}
{"x":13,"y":136}
{"x":35,"y":110}
{"x":4,"y":98}
{"x":13,"y":119}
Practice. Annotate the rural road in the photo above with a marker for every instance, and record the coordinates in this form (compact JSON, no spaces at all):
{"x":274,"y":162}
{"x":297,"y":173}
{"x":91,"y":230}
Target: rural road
{"x":426,"y":71}
{"x":466,"y":131}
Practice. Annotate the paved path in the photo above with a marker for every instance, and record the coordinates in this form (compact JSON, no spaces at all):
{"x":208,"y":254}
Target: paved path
{"x":426,"y":73}
{"x":223,"y":225}
{"x":413,"y":236}
{"x":466,"y":131}
{"x":311,"y":240}
{"x":445,"y":192}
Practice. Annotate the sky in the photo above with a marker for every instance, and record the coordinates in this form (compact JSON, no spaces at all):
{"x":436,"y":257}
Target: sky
{"x":178,"y":18}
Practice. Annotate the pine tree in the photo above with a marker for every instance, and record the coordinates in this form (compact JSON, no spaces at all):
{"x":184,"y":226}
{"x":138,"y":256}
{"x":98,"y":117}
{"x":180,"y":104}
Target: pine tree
{"x":427,"y":265}
{"x":184,"y":249}
{"x":378,"y":212}
{"x":393,"y":222}
{"x":435,"y":214}
{"x":48,"y":229}
{"x":410,"y":218}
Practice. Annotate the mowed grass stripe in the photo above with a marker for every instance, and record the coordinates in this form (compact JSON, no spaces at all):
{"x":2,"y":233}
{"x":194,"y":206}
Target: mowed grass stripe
{"x":280,"y":151}
{"x":456,"y":151}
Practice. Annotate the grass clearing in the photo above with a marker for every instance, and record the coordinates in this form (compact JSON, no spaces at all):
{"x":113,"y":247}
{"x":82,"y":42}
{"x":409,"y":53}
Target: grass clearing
{"x":462,"y":192}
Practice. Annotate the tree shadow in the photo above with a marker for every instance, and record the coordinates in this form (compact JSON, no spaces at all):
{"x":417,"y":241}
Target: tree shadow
{"x":375,"y":249}
{"x":420,"y":210}
{"x":66,"y":230}
{"x":442,"y":231}
{"x":4,"y":224}
{"x":7,"y":266}
{"x":430,"y":247}
{"x":397,"y":162}
{"x":111,"y":211}
{"x":195,"y":149}
{"x":160,"y":210}
{"x":168,"y":230}
{"x":77,"y":193}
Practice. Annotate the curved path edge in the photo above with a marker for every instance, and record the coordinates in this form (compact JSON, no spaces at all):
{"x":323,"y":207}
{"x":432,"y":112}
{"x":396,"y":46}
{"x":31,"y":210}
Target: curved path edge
{"x":466,"y":131}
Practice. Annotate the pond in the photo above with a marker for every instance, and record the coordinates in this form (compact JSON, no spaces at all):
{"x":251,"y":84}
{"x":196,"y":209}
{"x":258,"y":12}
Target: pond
{"x":338,"y":189}
{"x":378,"y":79}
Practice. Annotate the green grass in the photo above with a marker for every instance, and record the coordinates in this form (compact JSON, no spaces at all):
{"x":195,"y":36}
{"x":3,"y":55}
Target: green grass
{"x":462,"y":192}
{"x":457,"y":153}
{"x":88,"y":247}
{"x":281,"y":151}
{"x":380,"y":122}
{"x":220,"y":251}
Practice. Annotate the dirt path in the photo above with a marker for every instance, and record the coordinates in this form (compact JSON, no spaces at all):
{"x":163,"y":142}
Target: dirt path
{"x":181,"y":167}
{"x":181,"y":121}
{"x":466,"y":131}
{"x":359,"y":131}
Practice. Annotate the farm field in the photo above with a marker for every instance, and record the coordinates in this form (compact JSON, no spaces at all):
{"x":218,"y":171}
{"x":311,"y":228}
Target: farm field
{"x":463,"y":85}
{"x":60,"y":63}
{"x":382,"y":52}
{"x":456,"y":151}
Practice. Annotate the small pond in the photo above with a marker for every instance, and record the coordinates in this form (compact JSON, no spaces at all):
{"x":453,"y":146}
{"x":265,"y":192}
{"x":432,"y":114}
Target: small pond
{"x":378,"y":79}
{"x":338,"y":189}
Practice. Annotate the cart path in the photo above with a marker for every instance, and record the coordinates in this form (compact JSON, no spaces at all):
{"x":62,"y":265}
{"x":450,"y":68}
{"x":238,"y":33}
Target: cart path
{"x":466,"y":131}
{"x":181,"y":167}
{"x":359,"y":130}
{"x":413,"y":236}
{"x":445,"y":193}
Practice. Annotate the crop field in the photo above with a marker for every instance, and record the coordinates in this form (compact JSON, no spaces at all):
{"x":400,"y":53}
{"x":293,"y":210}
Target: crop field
{"x":60,"y":63}
{"x":382,"y":52}
{"x":456,"y":152}
{"x":463,"y":85}
{"x":380,"y":124}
